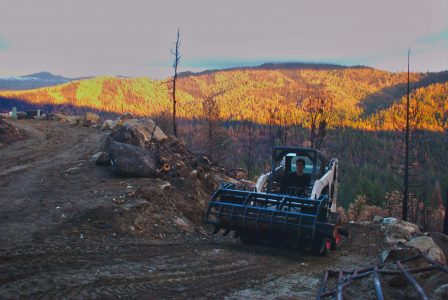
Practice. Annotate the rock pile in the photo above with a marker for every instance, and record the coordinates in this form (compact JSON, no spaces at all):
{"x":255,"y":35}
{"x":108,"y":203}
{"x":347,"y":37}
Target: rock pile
{"x":174,"y":184}
{"x":133,"y":147}
{"x":139,"y":148}
{"x":88,"y":120}
{"x":405,"y":239}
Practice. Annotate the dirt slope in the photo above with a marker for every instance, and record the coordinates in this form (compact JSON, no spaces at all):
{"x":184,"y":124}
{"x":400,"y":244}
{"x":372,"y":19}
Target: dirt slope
{"x":69,"y":229}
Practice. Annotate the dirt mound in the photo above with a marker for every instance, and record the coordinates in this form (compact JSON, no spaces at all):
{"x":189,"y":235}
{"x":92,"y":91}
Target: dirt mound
{"x":9,"y":134}
{"x":172,"y":198}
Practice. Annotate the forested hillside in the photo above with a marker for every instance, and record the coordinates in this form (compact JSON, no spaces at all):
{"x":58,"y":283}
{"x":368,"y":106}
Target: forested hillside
{"x":237,"y":115}
{"x":360,"y":97}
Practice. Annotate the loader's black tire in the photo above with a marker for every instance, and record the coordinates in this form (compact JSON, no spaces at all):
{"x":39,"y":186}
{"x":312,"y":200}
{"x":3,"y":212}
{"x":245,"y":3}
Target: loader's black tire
{"x":335,"y":242}
{"x":335,"y":218}
{"x":248,"y":238}
{"x":320,"y":247}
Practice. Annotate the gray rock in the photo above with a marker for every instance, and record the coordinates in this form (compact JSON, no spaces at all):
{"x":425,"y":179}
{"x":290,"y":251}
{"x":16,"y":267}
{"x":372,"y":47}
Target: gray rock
{"x":365,"y":223}
{"x":107,"y":125}
{"x":390,"y":220}
{"x":131,"y":161}
{"x":441,"y":240}
{"x":103,"y":159}
{"x":426,"y":245}
{"x":165,"y":186}
{"x":148,"y":129}
{"x":436,"y":254}
{"x":183,"y":224}
{"x":96,"y":156}
{"x":92,"y":117}
{"x":71,"y":120}
{"x":73,"y":171}
{"x":442,"y":291}
{"x":397,"y":253}
{"x":400,"y":231}
{"x":395,"y":240}
{"x":135,"y":132}
{"x":121,"y":119}
{"x":126,"y":134}
{"x":377,"y":219}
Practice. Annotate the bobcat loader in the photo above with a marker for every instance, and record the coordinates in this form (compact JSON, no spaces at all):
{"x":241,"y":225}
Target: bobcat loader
{"x":280,"y":213}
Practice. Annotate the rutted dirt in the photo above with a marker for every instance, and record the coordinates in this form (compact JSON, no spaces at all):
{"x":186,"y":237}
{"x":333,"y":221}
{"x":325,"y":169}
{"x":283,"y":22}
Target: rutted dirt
{"x":9,"y":134}
{"x":70,"y":229}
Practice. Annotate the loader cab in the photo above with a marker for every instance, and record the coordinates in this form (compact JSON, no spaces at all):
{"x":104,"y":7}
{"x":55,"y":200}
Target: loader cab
{"x":284,"y":165}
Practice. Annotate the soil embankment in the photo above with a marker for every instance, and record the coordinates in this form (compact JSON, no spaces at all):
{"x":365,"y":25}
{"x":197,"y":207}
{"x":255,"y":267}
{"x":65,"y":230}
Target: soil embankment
{"x":68,"y":228}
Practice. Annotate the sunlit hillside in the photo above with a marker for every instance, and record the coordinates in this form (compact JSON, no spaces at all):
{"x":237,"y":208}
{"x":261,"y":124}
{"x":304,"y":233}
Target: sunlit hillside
{"x":362,"y":97}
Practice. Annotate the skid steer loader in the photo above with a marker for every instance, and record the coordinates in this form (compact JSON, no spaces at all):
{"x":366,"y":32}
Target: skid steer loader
{"x":279,"y":213}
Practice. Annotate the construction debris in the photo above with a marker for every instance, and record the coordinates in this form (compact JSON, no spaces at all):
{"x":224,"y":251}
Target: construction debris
{"x":354,"y":283}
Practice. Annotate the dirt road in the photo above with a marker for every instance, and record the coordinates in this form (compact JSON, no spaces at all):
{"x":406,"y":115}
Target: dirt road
{"x":64,"y":232}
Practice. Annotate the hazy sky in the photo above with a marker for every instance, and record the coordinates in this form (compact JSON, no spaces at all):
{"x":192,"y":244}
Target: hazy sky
{"x":134,"y":37}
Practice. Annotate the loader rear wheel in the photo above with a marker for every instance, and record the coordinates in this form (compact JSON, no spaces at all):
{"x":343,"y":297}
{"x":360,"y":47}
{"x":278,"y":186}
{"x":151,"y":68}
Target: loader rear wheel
{"x":335,"y":218}
{"x":335,"y":241}
{"x":248,"y":238}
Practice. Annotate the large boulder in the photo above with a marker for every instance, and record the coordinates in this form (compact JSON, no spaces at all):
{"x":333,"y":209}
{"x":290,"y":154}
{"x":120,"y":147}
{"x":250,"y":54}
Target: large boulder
{"x":121,"y":119}
{"x":136,"y":132}
{"x":127,"y":134}
{"x":148,"y":129}
{"x":101,"y":158}
{"x":92,"y":118}
{"x":131,"y":161}
{"x":71,"y":120}
{"x":400,"y":232}
{"x":107,"y":125}
{"x":397,"y":253}
{"x":426,"y":245}
{"x":441,"y":240}
{"x":442,"y":291}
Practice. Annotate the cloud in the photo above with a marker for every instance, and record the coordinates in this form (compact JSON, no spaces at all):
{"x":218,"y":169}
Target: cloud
{"x":3,"y":43}
{"x":434,"y":38}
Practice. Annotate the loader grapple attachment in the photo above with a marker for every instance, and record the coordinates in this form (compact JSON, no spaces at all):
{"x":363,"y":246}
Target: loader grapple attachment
{"x":270,"y":215}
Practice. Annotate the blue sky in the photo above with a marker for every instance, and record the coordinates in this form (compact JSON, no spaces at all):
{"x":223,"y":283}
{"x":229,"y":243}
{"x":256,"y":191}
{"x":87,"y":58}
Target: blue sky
{"x":134,"y":37}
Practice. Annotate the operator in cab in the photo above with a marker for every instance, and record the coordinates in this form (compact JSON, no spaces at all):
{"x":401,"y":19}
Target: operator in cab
{"x":298,"y":181}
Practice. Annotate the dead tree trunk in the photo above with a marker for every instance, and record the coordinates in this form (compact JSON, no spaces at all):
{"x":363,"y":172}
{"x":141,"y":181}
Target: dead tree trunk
{"x":318,"y":106}
{"x":176,"y":54}
{"x":406,"y":160}
{"x":445,"y":221}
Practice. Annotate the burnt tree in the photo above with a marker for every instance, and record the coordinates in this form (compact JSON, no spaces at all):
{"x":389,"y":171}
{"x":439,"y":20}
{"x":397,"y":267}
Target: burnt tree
{"x":408,"y":161}
{"x":445,"y":220}
{"x":216,"y":137}
{"x":318,"y":107}
{"x":176,"y":53}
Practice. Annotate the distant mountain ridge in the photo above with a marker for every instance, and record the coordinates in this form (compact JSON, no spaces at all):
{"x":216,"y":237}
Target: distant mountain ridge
{"x":363,"y":97}
{"x":34,"y":81}
{"x":276,"y":66}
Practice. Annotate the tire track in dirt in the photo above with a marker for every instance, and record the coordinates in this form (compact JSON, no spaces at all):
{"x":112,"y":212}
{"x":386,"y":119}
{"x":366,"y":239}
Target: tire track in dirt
{"x":31,"y":173}
{"x":153,"y":271}
{"x":43,"y":255}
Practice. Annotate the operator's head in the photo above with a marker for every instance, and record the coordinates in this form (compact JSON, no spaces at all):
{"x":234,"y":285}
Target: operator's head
{"x":300,"y":165}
